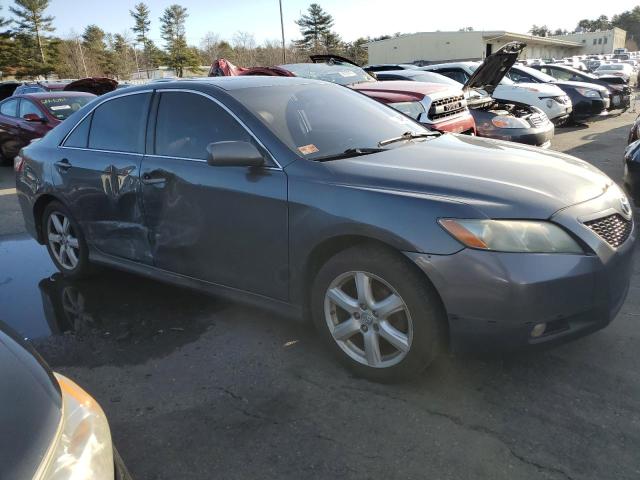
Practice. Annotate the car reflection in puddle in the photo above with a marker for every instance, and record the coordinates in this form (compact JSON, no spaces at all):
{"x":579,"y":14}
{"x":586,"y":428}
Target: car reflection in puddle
{"x":109,"y":318}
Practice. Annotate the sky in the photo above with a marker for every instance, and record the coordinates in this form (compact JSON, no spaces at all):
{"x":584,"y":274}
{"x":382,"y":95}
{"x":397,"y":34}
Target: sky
{"x":353,"y":18}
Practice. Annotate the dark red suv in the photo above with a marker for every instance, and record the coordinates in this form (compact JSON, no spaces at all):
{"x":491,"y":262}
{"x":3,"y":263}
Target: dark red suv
{"x":29,"y":116}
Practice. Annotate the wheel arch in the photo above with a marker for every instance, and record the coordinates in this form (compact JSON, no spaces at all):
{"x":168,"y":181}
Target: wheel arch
{"x":38,"y":210}
{"x":329,"y":247}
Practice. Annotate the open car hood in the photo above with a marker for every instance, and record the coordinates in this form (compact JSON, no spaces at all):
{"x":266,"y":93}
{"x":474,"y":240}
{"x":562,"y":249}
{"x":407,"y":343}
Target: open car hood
{"x":224,"y":68}
{"x":95,"y":85}
{"x":489,"y":74}
{"x":330,"y":58}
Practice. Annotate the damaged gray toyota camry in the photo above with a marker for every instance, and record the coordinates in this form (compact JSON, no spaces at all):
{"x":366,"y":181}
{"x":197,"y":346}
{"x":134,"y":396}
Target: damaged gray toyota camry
{"x":317,"y":201}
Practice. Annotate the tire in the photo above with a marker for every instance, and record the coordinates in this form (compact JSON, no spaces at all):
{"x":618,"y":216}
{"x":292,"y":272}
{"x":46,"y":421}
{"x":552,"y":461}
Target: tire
{"x":417,"y":328}
{"x":5,"y":161}
{"x":65,"y":241}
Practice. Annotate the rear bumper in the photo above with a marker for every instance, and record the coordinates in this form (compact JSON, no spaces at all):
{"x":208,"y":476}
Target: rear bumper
{"x":493,"y":300}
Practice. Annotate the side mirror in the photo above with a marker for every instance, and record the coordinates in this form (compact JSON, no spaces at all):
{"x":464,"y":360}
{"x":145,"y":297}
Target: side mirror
{"x":234,"y":154}
{"x":33,"y":117}
{"x":423,"y":117}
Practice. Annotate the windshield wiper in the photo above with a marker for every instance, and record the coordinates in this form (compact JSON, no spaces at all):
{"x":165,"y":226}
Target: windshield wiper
{"x":407,"y":136}
{"x":349,"y":153}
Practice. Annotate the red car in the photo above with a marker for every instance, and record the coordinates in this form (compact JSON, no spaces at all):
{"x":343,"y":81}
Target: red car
{"x":437,"y":106}
{"x":29,"y":116}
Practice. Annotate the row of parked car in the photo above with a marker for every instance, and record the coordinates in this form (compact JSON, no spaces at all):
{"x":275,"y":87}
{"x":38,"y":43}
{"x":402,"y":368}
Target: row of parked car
{"x":495,"y":98}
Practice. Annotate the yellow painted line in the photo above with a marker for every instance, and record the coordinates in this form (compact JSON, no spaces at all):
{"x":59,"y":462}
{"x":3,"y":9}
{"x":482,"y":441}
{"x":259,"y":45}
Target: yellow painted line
{"x":7,"y":191}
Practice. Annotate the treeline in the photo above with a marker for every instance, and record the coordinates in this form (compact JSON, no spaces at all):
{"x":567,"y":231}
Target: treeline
{"x":29,"y":47}
{"x":628,"y":20}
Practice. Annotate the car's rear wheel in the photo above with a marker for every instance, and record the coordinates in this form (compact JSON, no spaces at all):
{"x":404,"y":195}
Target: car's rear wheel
{"x":380,"y":316}
{"x":65,"y":241}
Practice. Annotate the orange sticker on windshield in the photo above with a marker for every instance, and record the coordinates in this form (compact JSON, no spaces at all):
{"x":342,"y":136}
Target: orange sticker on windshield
{"x":308,"y":149}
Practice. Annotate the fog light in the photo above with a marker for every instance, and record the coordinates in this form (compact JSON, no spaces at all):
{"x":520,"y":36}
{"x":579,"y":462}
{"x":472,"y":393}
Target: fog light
{"x":538,"y":330}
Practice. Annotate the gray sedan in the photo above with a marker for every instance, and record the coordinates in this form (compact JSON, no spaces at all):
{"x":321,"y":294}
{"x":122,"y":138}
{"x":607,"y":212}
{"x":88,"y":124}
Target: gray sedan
{"x":319,"y":202}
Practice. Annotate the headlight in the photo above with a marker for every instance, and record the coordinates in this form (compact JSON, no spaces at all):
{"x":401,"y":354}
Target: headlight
{"x":82,"y":448}
{"x":505,"y":121}
{"x":587,"y":92}
{"x":511,"y":235}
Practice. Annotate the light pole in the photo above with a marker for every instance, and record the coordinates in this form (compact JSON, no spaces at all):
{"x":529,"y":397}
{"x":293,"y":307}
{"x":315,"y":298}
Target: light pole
{"x":284,"y":50}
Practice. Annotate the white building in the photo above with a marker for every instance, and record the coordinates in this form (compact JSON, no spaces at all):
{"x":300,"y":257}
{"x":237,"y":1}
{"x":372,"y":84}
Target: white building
{"x":432,"y":47}
{"x":602,"y":41}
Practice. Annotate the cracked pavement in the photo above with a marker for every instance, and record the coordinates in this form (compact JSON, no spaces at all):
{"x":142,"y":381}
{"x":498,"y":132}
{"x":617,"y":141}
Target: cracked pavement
{"x":197,"y":387}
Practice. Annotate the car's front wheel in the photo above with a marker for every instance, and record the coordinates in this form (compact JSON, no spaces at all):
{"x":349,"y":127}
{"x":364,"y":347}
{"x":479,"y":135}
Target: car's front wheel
{"x":65,"y":241}
{"x":377,"y":313}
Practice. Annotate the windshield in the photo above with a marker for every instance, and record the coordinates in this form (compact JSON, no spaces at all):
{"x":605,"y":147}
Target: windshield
{"x":504,"y":81}
{"x":317,"y":120}
{"x":342,"y":74}
{"x":62,"y":107}
{"x":611,"y":67}
{"x":543,"y":77}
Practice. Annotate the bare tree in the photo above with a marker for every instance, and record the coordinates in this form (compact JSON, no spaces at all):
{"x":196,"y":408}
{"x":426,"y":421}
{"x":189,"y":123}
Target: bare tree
{"x":210,"y":46}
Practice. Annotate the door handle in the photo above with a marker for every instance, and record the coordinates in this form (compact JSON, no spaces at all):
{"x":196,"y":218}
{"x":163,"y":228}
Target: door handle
{"x":149,"y":180}
{"x":63,"y":164}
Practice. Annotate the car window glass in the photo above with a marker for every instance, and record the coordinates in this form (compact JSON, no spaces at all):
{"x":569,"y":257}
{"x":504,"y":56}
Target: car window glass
{"x":27,"y":107}
{"x":9,"y":108}
{"x":188,"y":122}
{"x":80,"y":135}
{"x":457,"y":75}
{"x":120,"y":124}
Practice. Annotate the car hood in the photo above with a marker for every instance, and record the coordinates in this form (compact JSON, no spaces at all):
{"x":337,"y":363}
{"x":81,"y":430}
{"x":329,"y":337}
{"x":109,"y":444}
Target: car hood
{"x":500,"y":179}
{"x":592,"y":86}
{"x":541,"y":90}
{"x":489,"y":74}
{"x":31,"y":407}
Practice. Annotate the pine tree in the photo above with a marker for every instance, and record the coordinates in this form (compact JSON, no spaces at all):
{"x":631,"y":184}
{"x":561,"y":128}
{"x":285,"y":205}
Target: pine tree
{"x":31,"y":21}
{"x":315,"y":27}
{"x":95,"y":50}
{"x":172,"y":29}
{"x":6,"y":48}
{"x":142,"y":23}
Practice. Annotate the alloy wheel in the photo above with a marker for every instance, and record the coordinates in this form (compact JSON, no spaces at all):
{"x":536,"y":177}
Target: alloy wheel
{"x":368,"y":319}
{"x":63,"y":240}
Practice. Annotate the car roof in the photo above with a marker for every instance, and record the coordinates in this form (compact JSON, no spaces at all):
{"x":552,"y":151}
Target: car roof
{"x":449,"y":64}
{"x":41,"y":95}
{"x":408,"y":87}
{"x":242,"y":81}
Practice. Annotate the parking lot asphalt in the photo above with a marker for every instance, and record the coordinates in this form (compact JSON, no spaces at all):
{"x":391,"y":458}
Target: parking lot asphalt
{"x":197,"y":388}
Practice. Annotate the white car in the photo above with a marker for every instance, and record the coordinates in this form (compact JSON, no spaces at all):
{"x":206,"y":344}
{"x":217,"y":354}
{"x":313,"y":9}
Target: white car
{"x":548,"y":98}
{"x":623,"y":70}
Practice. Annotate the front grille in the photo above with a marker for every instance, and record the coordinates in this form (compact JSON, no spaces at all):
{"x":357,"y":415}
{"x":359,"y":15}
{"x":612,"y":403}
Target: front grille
{"x":447,"y":107}
{"x":536,"y":120}
{"x":614,"y":229}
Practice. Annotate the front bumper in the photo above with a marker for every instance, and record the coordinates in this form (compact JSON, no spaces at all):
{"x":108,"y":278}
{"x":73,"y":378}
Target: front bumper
{"x":589,"y":108}
{"x":530,"y":136}
{"x":463,"y":123}
{"x":493,"y":299}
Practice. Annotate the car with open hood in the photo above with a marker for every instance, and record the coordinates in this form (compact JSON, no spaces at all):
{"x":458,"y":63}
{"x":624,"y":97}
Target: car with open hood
{"x":439,"y":107}
{"x":490,"y":76}
{"x":493,"y":118}
{"x":51,"y":428}
{"x":620,"y":92}
{"x":397,"y":241}
{"x":589,"y":100}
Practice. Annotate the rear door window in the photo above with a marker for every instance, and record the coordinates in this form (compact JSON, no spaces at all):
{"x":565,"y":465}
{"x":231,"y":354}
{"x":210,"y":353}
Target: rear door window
{"x":119,"y":125}
{"x":80,"y":135}
{"x":455,"y":74}
{"x":27,"y":107}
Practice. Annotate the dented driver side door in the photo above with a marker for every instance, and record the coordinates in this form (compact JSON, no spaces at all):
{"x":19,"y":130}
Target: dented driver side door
{"x":98,"y":171}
